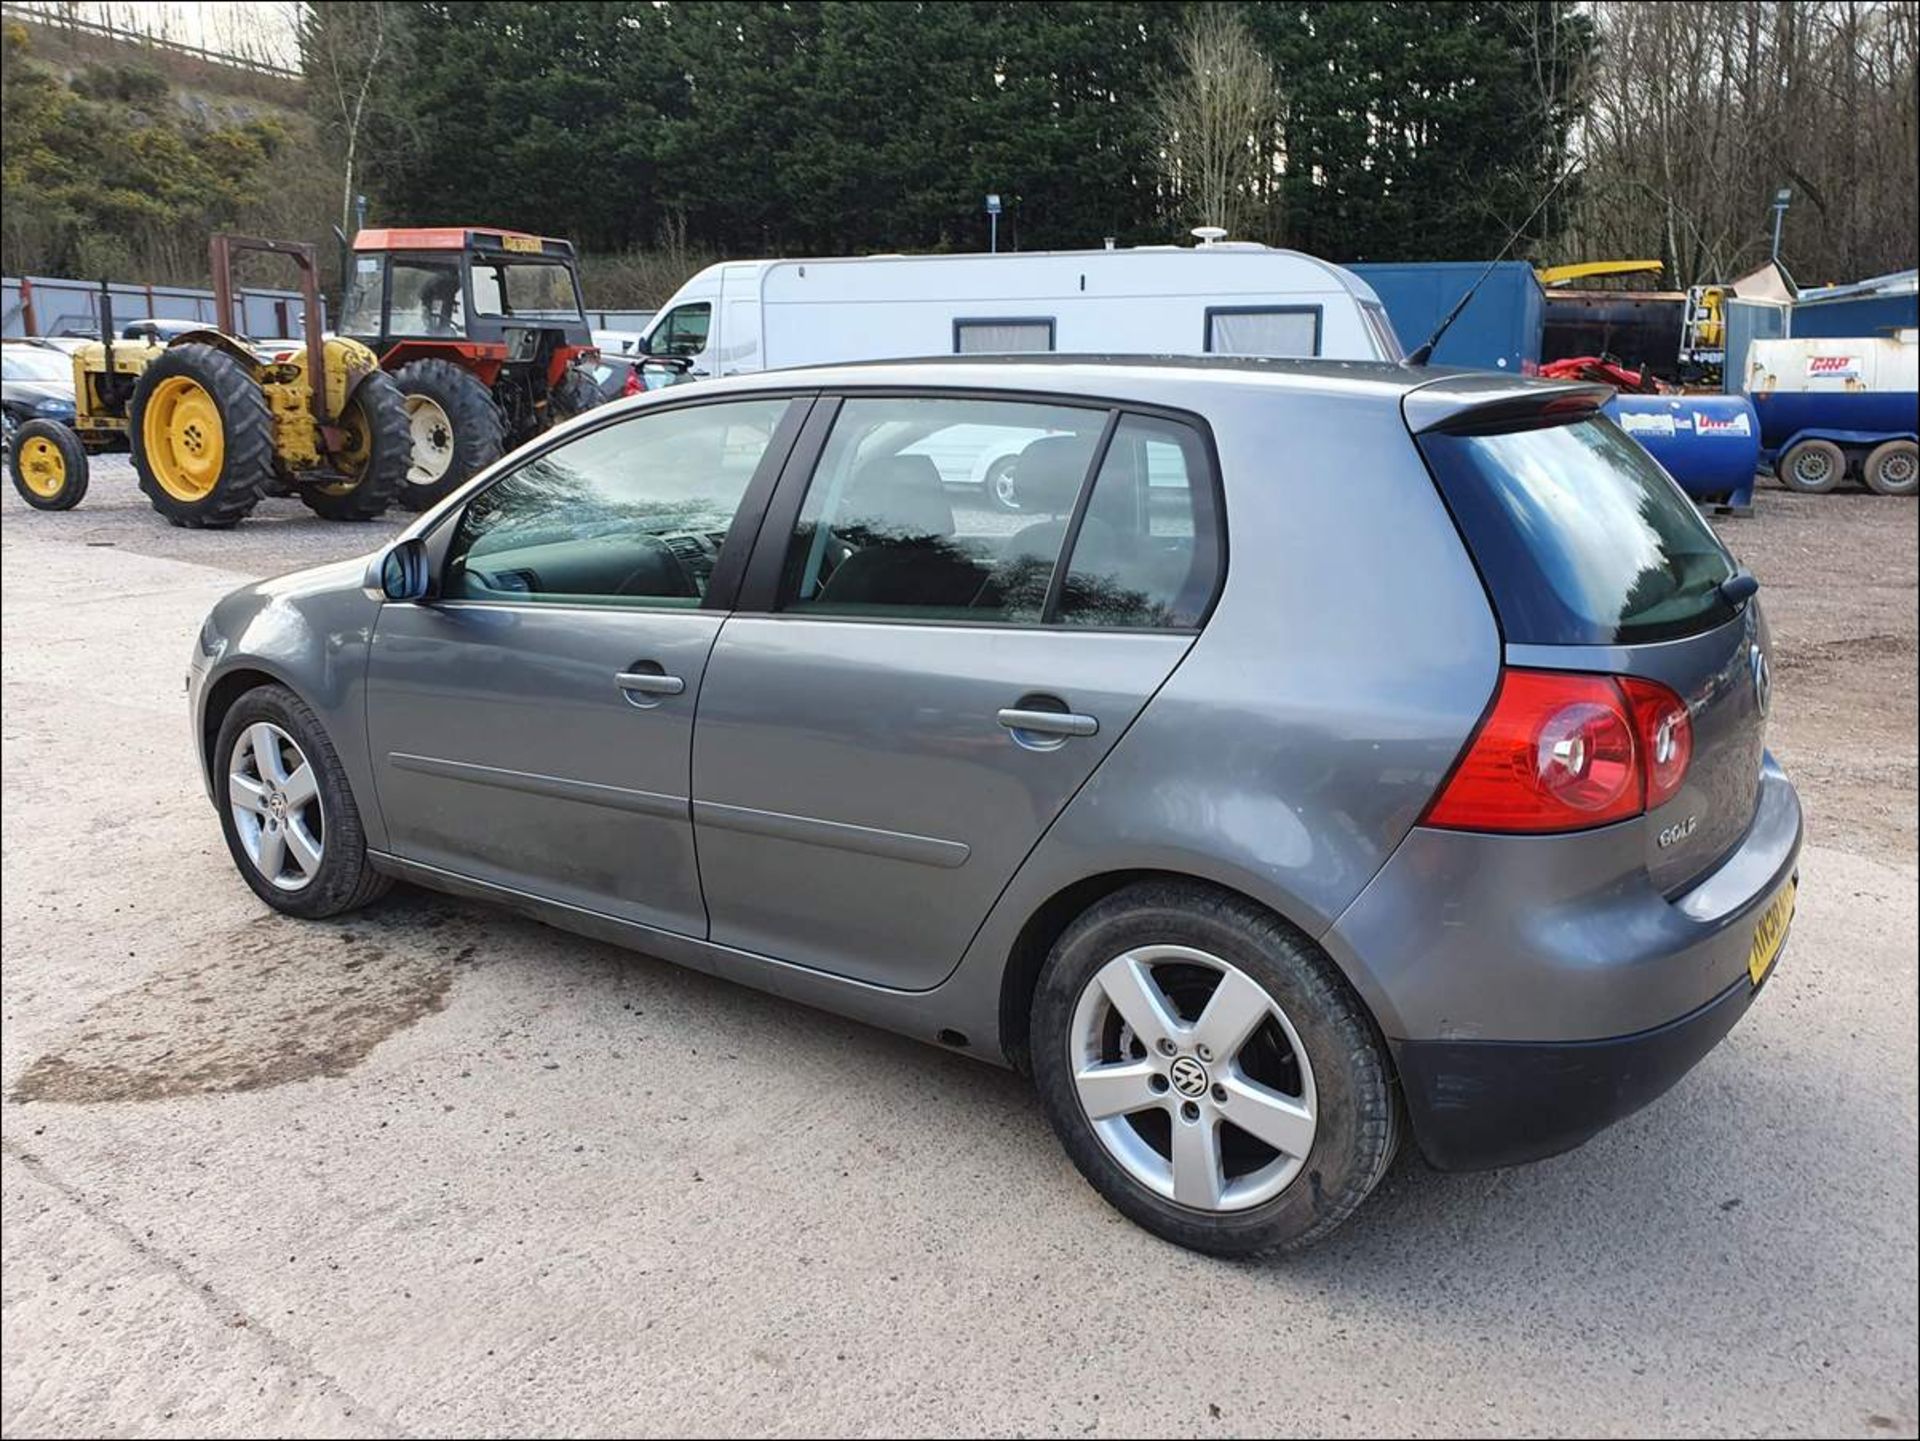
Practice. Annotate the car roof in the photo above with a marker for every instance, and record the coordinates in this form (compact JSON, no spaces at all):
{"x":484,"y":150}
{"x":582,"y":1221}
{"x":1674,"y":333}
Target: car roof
{"x":1445,"y":392}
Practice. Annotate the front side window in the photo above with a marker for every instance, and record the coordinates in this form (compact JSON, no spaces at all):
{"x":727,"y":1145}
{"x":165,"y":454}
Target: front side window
{"x":360,"y":315}
{"x":898,"y":522}
{"x":684,"y":330}
{"x":524,"y":289}
{"x":1148,"y":552}
{"x":426,"y":299}
{"x":1283,"y":331}
{"x":1001,"y":337}
{"x":633,"y":513}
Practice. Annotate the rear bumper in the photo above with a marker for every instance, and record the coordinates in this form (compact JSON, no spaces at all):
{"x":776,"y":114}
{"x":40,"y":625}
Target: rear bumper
{"x":1479,"y":1104}
{"x":1535,"y":990}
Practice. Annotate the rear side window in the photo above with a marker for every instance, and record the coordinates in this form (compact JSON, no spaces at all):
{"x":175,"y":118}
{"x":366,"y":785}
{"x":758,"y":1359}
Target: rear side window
{"x":1148,"y":551}
{"x":1582,"y":538}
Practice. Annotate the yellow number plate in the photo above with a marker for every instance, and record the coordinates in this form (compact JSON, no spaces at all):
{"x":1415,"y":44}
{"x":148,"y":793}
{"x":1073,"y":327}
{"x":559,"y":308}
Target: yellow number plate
{"x":1771,"y":933}
{"x":523,"y":243}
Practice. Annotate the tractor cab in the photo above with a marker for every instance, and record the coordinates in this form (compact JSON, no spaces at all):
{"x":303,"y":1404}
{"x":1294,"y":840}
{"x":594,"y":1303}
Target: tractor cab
{"x":502,"y":307}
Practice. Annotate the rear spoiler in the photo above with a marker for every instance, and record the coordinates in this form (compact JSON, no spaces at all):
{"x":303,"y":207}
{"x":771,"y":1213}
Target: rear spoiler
{"x":1481,"y":402}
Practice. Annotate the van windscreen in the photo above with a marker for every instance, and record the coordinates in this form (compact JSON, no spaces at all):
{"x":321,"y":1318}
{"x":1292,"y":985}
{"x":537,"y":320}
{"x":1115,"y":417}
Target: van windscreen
{"x":1581,"y":537}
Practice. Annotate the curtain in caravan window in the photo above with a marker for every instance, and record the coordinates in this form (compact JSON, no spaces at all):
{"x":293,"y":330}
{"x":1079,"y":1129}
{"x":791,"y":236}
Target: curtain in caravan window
{"x":1265,"y":332}
{"x":1001,"y":337}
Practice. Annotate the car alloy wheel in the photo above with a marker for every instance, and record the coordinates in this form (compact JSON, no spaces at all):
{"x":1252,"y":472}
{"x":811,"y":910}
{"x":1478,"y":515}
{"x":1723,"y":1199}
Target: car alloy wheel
{"x":1193,"y":1078}
{"x":275,"y":799}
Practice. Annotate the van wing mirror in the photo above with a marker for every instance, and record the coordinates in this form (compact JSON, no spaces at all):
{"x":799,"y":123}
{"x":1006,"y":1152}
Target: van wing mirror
{"x":642,"y":345}
{"x":403,"y":572}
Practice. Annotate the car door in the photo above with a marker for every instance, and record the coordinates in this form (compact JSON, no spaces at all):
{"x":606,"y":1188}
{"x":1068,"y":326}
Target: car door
{"x":532,"y":722}
{"x":908,"y":693}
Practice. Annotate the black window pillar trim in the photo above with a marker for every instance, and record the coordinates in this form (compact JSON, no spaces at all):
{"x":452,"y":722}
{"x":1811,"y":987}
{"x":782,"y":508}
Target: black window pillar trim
{"x":1063,"y":562}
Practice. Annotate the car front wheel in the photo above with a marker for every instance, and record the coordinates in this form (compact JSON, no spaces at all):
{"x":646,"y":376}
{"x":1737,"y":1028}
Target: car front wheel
{"x":286,"y":809}
{"x":1210,"y":1072}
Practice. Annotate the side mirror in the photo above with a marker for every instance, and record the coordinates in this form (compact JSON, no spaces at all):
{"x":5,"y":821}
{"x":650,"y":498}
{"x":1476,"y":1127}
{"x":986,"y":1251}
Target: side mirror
{"x":404,"y":574}
{"x":642,"y":345}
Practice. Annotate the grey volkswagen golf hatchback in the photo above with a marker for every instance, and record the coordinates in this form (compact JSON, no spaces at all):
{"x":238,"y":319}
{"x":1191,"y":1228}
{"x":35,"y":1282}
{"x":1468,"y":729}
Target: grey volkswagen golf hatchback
{"x":1322,"y":754}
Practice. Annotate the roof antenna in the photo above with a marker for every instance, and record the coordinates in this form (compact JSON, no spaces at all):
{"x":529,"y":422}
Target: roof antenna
{"x":1425,"y":352}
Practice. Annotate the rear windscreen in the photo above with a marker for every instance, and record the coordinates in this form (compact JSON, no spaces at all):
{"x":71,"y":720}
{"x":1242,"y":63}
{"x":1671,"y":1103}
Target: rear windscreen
{"x":1581,"y":537}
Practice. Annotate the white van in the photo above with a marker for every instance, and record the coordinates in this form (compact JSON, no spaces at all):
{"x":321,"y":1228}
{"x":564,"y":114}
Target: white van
{"x":1228,"y":298}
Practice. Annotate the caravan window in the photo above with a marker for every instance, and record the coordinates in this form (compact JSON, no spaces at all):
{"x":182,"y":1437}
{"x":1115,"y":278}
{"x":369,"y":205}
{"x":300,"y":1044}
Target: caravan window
{"x":1002,"y":337}
{"x":1275,"y":330}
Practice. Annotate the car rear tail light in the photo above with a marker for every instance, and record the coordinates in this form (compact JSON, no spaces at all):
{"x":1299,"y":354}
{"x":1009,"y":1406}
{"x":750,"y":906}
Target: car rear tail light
{"x":1560,"y":751}
{"x":1665,"y":729}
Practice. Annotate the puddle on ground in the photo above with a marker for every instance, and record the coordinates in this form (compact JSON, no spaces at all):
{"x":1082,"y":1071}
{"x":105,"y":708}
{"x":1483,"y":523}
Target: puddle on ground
{"x":272,"y":1001}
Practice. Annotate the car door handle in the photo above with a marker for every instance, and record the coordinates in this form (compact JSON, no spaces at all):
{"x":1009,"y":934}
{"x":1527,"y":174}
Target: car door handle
{"x":1048,"y":722}
{"x":643,"y":683}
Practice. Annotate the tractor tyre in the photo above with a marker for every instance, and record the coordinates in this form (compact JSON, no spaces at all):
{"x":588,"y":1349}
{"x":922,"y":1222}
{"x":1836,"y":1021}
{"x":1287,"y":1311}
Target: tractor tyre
{"x":574,"y":395}
{"x":202,"y":437}
{"x":455,"y":428}
{"x":48,"y":465}
{"x":379,"y":448}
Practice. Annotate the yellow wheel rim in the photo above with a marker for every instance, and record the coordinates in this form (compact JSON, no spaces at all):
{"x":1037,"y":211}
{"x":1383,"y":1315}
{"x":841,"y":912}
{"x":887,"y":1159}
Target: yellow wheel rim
{"x":42,"y":467}
{"x":183,"y":438}
{"x":356,"y":454}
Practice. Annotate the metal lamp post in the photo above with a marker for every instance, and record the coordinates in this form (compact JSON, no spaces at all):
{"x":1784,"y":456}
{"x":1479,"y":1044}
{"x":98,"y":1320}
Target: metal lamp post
{"x":1781,"y":198}
{"x":993,"y":224}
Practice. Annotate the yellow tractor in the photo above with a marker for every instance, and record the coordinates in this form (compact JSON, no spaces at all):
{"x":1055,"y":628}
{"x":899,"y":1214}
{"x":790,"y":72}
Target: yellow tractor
{"x":215,"y":422}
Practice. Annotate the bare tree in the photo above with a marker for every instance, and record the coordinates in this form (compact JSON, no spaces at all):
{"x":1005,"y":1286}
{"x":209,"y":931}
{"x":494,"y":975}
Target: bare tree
{"x":1699,"y":110}
{"x":1218,"y":122}
{"x":345,"y":46}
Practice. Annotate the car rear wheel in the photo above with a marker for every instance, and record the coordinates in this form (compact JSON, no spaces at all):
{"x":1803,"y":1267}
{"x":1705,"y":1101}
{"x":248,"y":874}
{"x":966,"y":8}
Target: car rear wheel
{"x":1893,"y":468}
{"x":1000,"y":487}
{"x":1813,"y":467}
{"x":286,"y":810}
{"x":1210,"y":1072}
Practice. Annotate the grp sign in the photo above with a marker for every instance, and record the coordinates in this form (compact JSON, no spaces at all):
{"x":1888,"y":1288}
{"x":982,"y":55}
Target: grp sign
{"x":1833,"y":367}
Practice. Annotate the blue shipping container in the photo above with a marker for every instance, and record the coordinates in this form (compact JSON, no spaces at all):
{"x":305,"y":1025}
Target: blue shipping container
{"x":1500,"y":329}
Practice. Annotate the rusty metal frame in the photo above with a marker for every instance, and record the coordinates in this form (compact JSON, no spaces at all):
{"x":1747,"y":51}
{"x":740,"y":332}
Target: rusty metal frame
{"x":220,"y":252}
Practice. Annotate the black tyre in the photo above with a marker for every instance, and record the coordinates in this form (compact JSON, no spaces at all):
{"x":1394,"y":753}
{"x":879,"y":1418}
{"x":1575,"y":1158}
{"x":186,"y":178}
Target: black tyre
{"x":48,"y":465}
{"x":1813,"y":467}
{"x":1210,"y":1072}
{"x":1893,"y":468}
{"x":1001,"y":492}
{"x":574,"y":395}
{"x":377,"y":454}
{"x":203,"y":437}
{"x":286,"y":810}
{"x":456,"y":430}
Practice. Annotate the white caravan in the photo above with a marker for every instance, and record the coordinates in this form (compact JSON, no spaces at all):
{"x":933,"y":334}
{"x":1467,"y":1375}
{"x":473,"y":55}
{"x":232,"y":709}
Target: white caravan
{"x":1229,"y":298}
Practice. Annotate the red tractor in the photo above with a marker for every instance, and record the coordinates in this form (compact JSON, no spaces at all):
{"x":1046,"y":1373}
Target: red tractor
{"x":485,"y":333}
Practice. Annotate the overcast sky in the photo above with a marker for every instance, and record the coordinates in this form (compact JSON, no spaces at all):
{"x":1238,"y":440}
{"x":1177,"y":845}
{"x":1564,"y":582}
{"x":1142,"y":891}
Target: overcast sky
{"x":265,"y":31}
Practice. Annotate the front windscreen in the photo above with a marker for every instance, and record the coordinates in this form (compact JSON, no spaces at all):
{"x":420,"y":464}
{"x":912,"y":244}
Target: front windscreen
{"x":1582,"y":538}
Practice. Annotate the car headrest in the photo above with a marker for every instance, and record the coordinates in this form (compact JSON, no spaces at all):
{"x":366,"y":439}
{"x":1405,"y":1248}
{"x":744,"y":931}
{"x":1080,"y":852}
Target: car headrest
{"x":1047,"y":474}
{"x":898,"y":496}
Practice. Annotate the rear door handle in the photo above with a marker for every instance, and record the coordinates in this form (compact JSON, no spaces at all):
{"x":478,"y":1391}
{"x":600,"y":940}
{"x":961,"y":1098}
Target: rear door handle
{"x":1048,"y":722}
{"x":643,"y":683}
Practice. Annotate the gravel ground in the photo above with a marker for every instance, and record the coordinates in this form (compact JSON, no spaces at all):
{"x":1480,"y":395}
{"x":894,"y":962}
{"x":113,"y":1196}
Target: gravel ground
{"x":435,"y":1169}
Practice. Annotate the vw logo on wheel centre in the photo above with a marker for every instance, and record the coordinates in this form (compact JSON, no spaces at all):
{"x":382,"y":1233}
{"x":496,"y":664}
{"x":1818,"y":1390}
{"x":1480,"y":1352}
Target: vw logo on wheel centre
{"x":1189,"y":1077}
